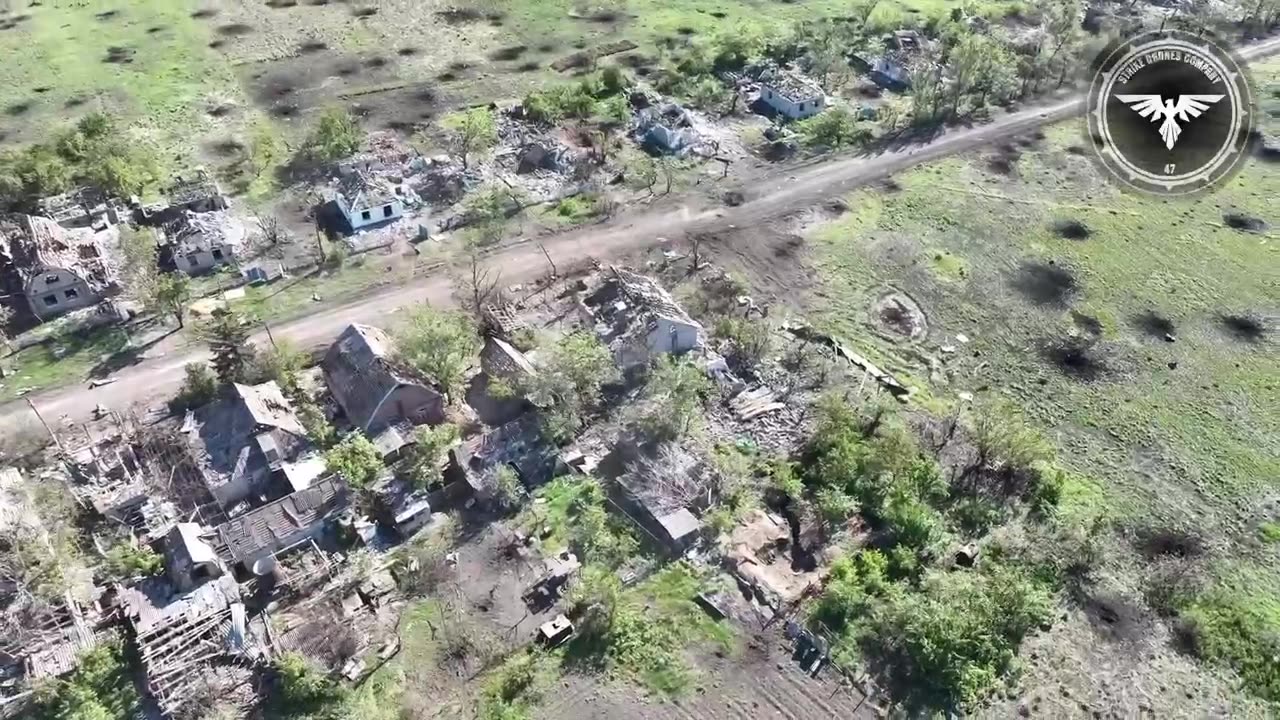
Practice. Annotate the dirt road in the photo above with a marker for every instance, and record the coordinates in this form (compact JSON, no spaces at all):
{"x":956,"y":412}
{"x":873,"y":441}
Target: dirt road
{"x":793,"y":188}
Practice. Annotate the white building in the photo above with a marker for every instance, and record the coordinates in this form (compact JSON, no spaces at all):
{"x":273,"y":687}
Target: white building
{"x":792,"y":96}
{"x":368,"y":200}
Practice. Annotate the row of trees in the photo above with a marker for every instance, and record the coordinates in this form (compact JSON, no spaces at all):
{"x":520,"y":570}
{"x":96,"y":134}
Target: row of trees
{"x":96,"y":151}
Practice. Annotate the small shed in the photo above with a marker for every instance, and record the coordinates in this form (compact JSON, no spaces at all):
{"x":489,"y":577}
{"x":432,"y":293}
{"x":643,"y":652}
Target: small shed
{"x":792,"y":96}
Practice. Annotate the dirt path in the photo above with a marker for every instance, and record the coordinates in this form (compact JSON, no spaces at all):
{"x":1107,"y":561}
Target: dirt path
{"x":793,"y":188}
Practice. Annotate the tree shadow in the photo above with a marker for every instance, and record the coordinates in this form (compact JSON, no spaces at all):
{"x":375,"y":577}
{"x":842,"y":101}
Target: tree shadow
{"x":127,"y":356}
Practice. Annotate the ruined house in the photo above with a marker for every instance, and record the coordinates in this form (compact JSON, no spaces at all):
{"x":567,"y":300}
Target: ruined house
{"x":79,"y":208}
{"x":197,"y":192}
{"x":196,"y":243}
{"x":373,"y":388}
{"x":519,"y":445}
{"x":666,"y":130}
{"x":241,"y":442}
{"x":494,"y":392}
{"x":57,"y":269}
{"x":189,"y":558}
{"x":252,"y":540}
{"x":639,"y":320}
{"x":792,"y":95}
{"x":366,"y":199}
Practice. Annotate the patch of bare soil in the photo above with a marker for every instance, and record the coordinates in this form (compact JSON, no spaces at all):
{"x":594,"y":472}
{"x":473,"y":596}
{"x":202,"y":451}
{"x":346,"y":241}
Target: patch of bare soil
{"x":1005,"y":160}
{"x":1114,"y":617}
{"x":1153,"y":324}
{"x":1246,"y":327}
{"x":1244,"y":223}
{"x":897,"y":314}
{"x":1046,"y":283}
{"x":1072,"y":230}
{"x":1080,"y":358}
{"x":754,"y":252}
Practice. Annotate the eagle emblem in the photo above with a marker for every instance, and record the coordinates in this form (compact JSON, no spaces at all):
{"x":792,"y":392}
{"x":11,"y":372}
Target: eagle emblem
{"x":1184,"y":108}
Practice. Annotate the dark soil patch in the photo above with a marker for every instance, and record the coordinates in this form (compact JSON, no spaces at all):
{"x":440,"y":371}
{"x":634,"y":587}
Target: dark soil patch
{"x":1076,"y":357}
{"x":16,"y":109}
{"x":217,"y":44}
{"x":547,"y":47}
{"x":1247,"y":328}
{"x":119,"y":55}
{"x":1075,"y":150}
{"x":156,"y":29}
{"x":604,"y":17}
{"x":527,"y":66}
{"x":1169,"y":542}
{"x":686,"y":31}
{"x":281,"y":4}
{"x":734,"y":198}
{"x":204,"y":13}
{"x":1072,"y":230}
{"x":447,"y":76}
{"x":285,"y":111}
{"x":312,"y":46}
{"x":459,"y":16}
{"x":377,"y":61}
{"x":718,"y":14}
{"x":41,"y":90}
{"x":364,"y":12}
{"x":1114,"y":617}
{"x":508,"y":53}
{"x":75,"y":102}
{"x":788,"y":247}
{"x":235,"y":30}
{"x":1087,"y":323}
{"x":317,"y":3}
{"x":226,"y":148}
{"x":458,"y":66}
{"x":1244,"y":223}
{"x":1046,"y":283}
{"x":407,"y":51}
{"x":889,"y":185}
{"x":425,"y":95}
{"x":898,"y":314}
{"x":104,"y":16}
{"x":218,"y":111}
{"x":1005,"y":161}
{"x":1154,"y":324}
{"x":346,"y":69}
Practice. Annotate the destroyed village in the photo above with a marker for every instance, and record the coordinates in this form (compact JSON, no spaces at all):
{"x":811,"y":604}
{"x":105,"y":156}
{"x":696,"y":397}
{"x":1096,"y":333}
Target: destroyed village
{"x":639,"y":360}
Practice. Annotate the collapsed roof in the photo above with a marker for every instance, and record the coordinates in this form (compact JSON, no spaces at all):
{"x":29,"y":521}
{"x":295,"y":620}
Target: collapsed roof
{"x":192,"y":232}
{"x":362,"y":371}
{"x":32,"y":245}
{"x":237,"y":435}
{"x":272,"y":527}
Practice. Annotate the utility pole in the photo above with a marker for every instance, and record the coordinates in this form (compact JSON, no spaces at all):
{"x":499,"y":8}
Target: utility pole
{"x":52,"y":435}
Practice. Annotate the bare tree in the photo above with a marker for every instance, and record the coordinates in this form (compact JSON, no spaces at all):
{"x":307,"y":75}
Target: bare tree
{"x":273,"y":231}
{"x":673,"y":478}
{"x":480,"y":284}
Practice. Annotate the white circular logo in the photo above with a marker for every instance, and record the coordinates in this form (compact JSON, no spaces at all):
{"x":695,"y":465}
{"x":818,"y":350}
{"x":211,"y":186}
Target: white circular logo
{"x":1170,"y":113}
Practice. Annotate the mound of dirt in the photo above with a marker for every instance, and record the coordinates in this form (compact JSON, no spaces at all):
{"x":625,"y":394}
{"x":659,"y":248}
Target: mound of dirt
{"x":1244,"y":223}
{"x":1046,"y":283}
{"x":1247,"y":327}
{"x":898,"y":314}
{"x":1169,"y":542}
{"x":1072,"y":230}
{"x":508,"y":54}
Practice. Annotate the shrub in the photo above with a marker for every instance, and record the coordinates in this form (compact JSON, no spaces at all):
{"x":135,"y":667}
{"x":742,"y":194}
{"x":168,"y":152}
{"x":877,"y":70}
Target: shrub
{"x":1237,"y":631}
{"x":676,"y":392}
{"x":613,"y":80}
{"x":832,"y":129}
{"x":100,"y":688}
{"x":749,"y":340}
{"x":427,"y":453}
{"x":438,"y":343}
{"x":356,"y":459}
{"x":302,"y":690}
{"x":126,"y":560}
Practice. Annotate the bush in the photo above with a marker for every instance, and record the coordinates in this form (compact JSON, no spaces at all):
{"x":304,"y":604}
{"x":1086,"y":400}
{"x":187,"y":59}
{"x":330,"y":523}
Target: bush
{"x":126,"y":560}
{"x":199,"y":388}
{"x":427,"y":453}
{"x":313,"y":420}
{"x":834,"y":128}
{"x":613,"y":81}
{"x":100,"y":688}
{"x":438,"y":343}
{"x":749,"y":340}
{"x":302,"y":690}
{"x":356,"y":459}
{"x":1234,"y":630}
{"x":676,"y":391}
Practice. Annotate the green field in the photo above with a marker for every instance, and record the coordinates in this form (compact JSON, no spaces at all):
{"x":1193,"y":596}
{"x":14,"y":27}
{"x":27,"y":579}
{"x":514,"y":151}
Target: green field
{"x":1181,"y":432}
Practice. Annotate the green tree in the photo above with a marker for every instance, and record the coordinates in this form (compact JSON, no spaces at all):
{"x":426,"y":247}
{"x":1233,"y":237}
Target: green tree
{"x":982,"y":68}
{"x":199,"y":388}
{"x":313,"y":420}
{"x":121,"y":167}
{"x":471,"y":131}
{"x":439,"y":343}
{"x":749,"y":340}
{"x":676,"y":392}
{"x":170,"y":294}
{"x":282,"y":363}
{"x":336,"y":136}
{"x":507,"y":490}
{"x":139,"y":267}
{"x":227,"y":334}
{"x":570,"y":376}
{"x":356,"y":459}
{"x":428,"y":452}
{"x":265,"y":148}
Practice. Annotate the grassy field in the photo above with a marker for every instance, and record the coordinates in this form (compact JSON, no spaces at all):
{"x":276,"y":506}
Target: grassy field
{"x":1123,"y":325}
{"x":61,"y":360}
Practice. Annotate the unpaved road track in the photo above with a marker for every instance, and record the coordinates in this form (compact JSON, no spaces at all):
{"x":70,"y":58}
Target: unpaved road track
{"x":791,"y":188}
